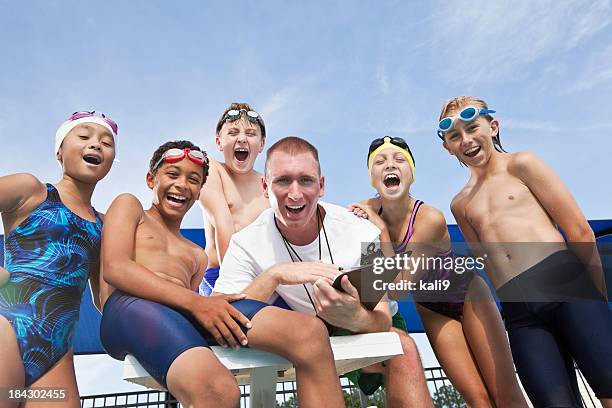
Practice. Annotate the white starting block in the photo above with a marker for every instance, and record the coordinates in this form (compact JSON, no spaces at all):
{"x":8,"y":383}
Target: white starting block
{"x":262,"y":370}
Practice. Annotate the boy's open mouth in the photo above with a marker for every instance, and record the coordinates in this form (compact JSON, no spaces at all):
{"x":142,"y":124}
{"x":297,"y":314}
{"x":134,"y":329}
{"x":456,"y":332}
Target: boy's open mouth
{"x":295,"y":209}
{"x":241,"y":154}
{"x":176,"y":199}
{"x":92,"y":159}
{"x":391,"y":180}
{"x":472,"y":152}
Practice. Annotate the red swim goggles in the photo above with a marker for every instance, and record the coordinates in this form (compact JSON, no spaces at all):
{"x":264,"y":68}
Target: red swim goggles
{"x":175,"y":155}
{"x":89,"y":114}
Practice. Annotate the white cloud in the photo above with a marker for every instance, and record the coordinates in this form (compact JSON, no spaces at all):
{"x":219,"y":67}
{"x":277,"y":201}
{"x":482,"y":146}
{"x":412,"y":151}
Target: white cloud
{"x":532,"y":125}
{"x":383,"y":82}
{"x":277,"y":102}
{"x":594,"y":16}
{"x":597,"y":72}
{"x":494,"y":39}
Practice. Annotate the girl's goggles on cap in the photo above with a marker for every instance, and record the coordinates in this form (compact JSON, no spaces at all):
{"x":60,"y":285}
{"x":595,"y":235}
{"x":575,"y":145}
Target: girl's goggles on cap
{"x":89,"y":114}
{"x":175,"y":155}
{"x":468,"y":114}
{"x":378,"y":144}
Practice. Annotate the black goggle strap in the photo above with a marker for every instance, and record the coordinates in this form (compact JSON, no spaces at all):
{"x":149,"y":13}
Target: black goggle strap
{"x":397,"y":141}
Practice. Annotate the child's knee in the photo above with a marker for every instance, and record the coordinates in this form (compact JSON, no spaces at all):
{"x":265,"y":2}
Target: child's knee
{"x":198,"y":391}
{"x":225,"y":390}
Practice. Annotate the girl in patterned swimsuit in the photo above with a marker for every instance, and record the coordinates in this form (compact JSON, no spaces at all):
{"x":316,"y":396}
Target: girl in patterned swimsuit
{"x":52,"y":246}
{"x":463,"y":324}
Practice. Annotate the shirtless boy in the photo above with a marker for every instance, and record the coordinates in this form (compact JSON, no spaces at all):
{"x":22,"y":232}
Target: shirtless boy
{"x":232,"y":198}
{"x":151,"y":309}
{"x":510,"y":208}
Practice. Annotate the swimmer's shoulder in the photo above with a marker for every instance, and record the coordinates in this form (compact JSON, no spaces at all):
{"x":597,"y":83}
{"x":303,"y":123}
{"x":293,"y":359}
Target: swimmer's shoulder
{"x":213,"y":187}
{"x":521,"y":164}
{"x":23,"y":192}
{"x":126,"y":205}
{"x":430,"y":216}
{"x":214,"y":167}
{"x":218,"y":170}
{"x":20,"y":195}
{"x":432,"y":220}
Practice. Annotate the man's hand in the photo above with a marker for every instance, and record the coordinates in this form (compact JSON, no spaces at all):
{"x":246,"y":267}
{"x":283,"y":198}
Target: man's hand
{"x":304,"y":272}
{"x":221,"y":319}
{"x":337,"y":308}
{"x":4,"y":276}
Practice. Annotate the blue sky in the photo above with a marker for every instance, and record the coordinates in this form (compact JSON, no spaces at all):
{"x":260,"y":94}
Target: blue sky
{"x":336,"y":73}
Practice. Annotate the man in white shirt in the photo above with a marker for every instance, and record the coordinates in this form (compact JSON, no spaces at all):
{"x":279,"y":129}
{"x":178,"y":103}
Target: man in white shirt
{"x":295,"y":249}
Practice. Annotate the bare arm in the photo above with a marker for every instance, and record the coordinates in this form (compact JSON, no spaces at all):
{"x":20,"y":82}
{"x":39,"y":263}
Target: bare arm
{"x":263,"y":286}
{"x":19,"y":194}
{"x":212,"y":198}
{"x":559,"y":203}
{"x":289,"y":273}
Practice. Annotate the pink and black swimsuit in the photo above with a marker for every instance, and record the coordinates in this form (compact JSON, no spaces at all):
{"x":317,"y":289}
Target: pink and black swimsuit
{"x":450,"y":302}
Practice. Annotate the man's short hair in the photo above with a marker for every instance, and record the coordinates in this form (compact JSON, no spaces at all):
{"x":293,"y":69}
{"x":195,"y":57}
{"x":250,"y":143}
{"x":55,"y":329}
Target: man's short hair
{"x":239,"y":106}
{"x":292,"y":145}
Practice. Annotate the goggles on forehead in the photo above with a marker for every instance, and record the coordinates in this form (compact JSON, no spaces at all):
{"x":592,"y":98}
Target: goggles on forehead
{"x":468,"y":114}
{"x":175,"y":155}
{"x":252,"y":116}
{"x":378,"y":144}
{"x":89,"y":114}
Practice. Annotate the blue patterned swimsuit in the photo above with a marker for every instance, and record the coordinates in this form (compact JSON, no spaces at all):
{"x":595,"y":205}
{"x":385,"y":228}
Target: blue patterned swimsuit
{"x":49,"y":257}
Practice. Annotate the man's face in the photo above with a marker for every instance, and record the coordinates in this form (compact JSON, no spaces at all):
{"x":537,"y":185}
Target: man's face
{"x":176,"y":186}
{"x":293,"y":185}
{"x":241,"y":142}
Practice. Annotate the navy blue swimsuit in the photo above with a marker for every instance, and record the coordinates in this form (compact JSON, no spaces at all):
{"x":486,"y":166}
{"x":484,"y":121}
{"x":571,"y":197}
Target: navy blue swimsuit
{"x":49,"y":257}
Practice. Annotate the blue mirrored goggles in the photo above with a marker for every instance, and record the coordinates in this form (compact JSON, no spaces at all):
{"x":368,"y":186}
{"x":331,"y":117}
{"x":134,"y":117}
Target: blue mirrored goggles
{"x":468,"y":114}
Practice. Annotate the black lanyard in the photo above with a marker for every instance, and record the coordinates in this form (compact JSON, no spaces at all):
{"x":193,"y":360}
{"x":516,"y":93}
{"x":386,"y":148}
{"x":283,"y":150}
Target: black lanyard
{"x":292,"y":252}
